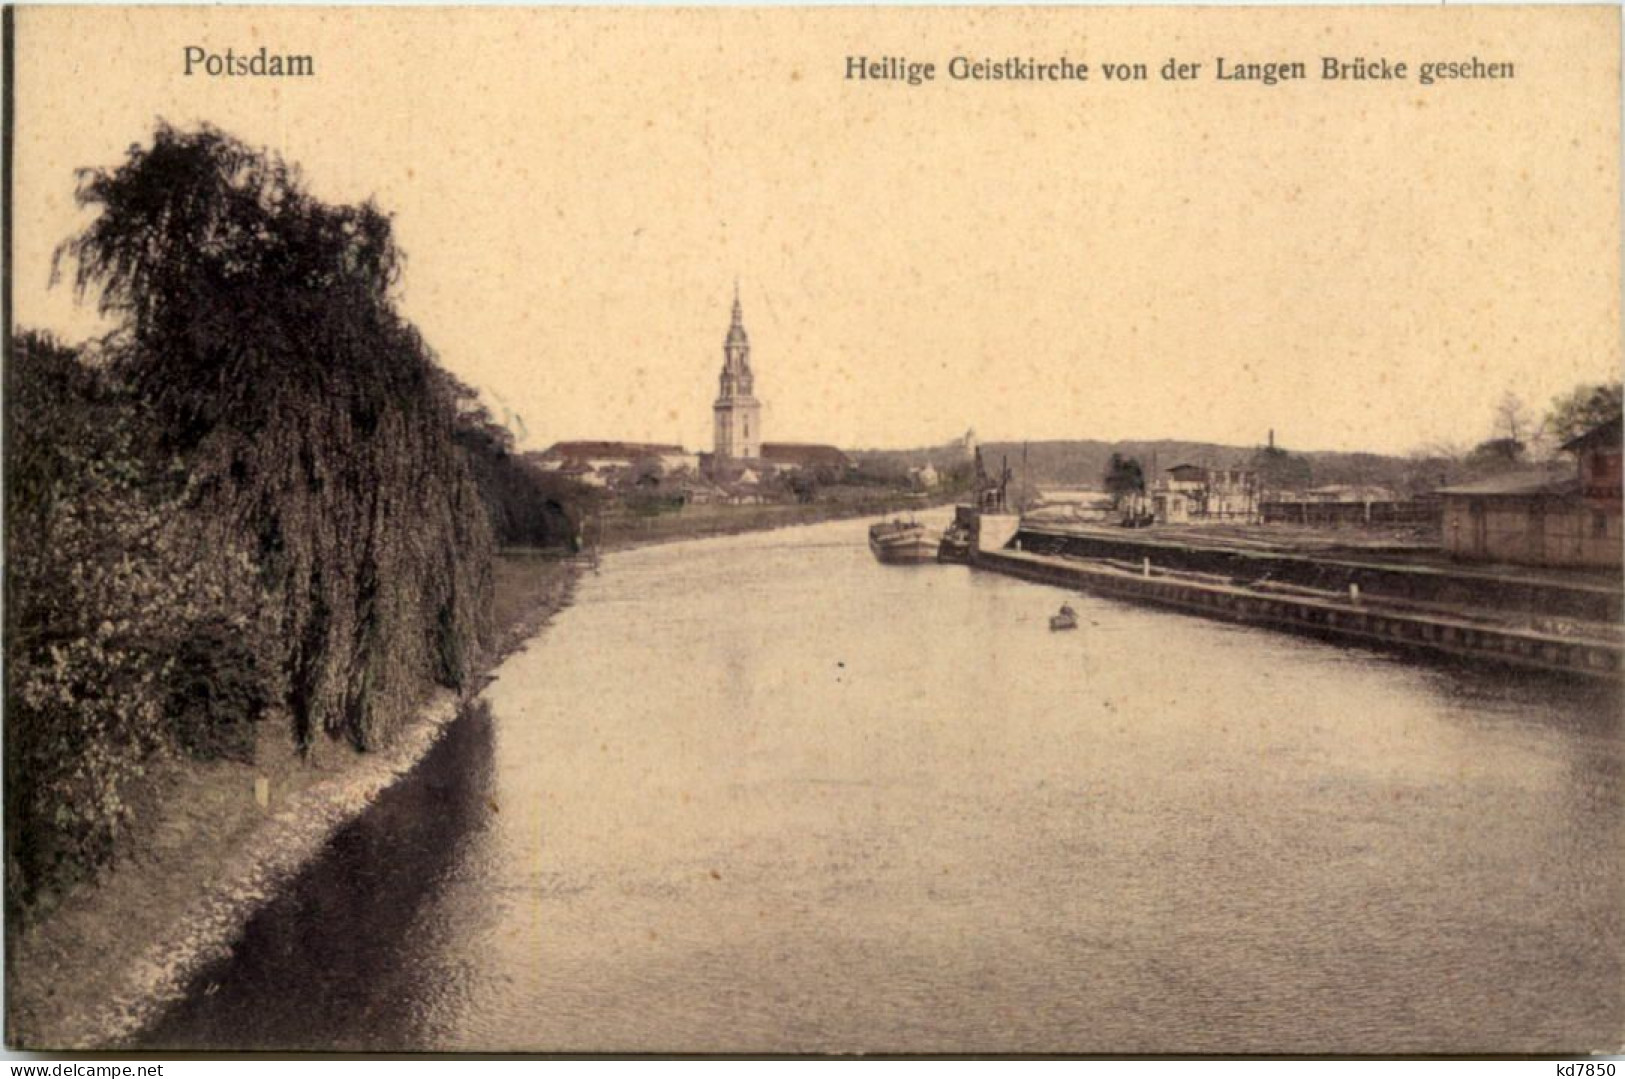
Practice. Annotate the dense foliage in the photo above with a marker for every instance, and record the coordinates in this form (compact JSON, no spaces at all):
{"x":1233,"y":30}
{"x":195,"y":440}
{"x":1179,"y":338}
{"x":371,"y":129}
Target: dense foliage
{"x":133,"y":628}
{"x":1583,"y":408}
{"x":527,"y":506}
{"x":255,"y":495}
{"x":260,"y":329}
{"x":1123,"y":477}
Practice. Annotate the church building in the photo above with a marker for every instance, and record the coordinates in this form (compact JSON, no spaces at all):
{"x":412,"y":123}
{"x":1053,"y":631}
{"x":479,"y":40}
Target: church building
{"x":738,"y":414}
{"x":740,"y":465}
{"x":740,"y":459}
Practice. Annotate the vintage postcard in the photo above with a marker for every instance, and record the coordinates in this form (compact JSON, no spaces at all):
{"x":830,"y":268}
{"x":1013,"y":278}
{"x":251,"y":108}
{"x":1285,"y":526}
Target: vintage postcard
{"x":1088,"y":530}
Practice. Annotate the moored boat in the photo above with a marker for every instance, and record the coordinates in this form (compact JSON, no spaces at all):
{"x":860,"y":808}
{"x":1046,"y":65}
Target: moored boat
{"x":902,"y":542}
{"x":1066,"y":619}
{"x":955,"y":545}
{"x":959,"y":538}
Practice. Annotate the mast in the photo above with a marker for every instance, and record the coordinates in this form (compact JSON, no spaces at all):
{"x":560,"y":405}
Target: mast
{"x":1026,"y":481}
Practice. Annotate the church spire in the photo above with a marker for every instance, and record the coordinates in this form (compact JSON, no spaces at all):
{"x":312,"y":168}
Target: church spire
{"x":737,"y":345}
{"x":738,"y":413}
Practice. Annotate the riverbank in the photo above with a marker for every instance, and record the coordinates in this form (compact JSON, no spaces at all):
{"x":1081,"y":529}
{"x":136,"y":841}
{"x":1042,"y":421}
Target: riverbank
{"x":624,"y":530}
{"x":91,"y":972}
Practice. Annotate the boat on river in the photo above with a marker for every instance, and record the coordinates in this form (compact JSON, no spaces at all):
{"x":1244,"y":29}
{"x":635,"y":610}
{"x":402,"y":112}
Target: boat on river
{"x":1066,"y":619}
{"x":955,"y":545}
{"x":900,"y":542}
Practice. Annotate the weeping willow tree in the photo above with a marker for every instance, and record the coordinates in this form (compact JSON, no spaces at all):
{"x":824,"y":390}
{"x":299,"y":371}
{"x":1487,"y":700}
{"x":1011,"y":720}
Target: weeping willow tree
{"x":259,"y":326}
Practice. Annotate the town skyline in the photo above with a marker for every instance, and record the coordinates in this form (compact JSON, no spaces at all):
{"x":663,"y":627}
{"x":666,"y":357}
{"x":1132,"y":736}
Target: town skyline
{"x":1172,"y":262}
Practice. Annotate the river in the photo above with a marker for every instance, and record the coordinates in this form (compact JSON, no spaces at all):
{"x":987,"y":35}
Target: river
{"x":763,"y":793}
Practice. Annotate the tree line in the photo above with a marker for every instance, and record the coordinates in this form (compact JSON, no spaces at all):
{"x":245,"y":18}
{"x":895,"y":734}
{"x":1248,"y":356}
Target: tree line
{"x":1518,"y":437}
{"x":259,"y":496}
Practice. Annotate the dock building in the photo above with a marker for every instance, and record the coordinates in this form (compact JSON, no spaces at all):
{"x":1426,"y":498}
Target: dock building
{"x":1544,"y":518}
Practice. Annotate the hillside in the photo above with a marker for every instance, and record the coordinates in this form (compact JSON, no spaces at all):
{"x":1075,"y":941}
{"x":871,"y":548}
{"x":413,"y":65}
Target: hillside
{"x":1082,"y":462}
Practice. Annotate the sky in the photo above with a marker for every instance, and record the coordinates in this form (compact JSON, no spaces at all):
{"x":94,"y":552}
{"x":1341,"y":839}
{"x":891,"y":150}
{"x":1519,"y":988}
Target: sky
{"x":1355,"y":265}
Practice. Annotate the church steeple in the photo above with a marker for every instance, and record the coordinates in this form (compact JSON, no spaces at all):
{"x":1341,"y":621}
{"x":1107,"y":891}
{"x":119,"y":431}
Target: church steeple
{"x":738,"y":427}
{"x":736,"y":352}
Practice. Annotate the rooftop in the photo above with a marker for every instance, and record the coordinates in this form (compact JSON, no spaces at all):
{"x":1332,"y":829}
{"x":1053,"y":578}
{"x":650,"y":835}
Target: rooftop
{"x":595,"y":450}
{"x":1508,"y":484}
{"x":807,"y":453}
{"x":1604,"y":434}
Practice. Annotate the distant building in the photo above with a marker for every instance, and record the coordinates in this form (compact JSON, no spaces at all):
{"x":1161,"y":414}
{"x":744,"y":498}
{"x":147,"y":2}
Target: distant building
{"x":581,"y":473}
{"x":737,"y":422}
{"x":1189,"y":492}
{"x":737,"y":413}
{"x":1543,"y":518}
{"x":805,"y":455}
{"x":739,"y":466}
{"x":1350,"y":505}
{"x":1349,"y":493}
{"x":1417,"y":513}
{"x":597,"y":462}
{"x":1597,"y":457}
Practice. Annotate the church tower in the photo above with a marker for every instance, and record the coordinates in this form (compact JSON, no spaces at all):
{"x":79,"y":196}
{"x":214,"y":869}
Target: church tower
{"x":738,"y":412}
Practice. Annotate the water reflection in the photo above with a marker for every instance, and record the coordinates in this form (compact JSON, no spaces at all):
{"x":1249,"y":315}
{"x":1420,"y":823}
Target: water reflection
{"x":763,"y":793}
{"x":330,"y":964}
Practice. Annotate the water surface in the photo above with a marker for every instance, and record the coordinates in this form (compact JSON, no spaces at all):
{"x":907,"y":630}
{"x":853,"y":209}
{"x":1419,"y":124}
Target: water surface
{"x":762,"y":793}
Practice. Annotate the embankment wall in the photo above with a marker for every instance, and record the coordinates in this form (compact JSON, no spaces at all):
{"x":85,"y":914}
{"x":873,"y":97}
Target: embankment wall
{"x":1340,"y":621}
{"x":1592,"y":601}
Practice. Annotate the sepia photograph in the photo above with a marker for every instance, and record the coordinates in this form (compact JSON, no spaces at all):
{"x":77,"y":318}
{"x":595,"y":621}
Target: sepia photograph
{"x":820,"y":531}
